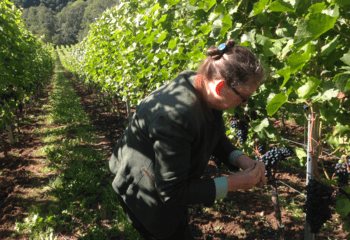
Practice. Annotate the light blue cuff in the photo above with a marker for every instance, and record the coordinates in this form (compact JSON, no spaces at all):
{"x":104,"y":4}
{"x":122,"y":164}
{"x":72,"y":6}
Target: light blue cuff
{"x":233,"y":156}
{"x":221,"y":187}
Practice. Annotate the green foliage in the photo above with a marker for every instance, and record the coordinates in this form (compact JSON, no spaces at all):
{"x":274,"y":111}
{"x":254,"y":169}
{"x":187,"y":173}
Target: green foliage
{"x":25,"y":60}
{"x":69,"y":21}
{"x":40,"y":21}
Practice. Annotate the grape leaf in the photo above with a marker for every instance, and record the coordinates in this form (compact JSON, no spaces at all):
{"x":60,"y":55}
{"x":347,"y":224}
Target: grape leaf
{"x":267,"y":49}
{"x":263,"y":124}
{"x":260,"y":39}
{"x":329,"y":47}
{"x":235,"y":9}
{"x":295,"y":62}
{"x":317,"y":7}
{"x":329,"y":94}
{"x":284,"y":72}
{"x":162,"y":19}
{"x":276,"y":102}
{"x":313,"y":27}
{"x":173,"y":2}
{"x":282,"y":32}
{"x":191,"y":7}
{"x":346,"y":58}
{"x":343,"y":206}
{"x":226,"y":24}
{"x":219,"y":9}
{"x":258,"y":7}
{"x":139,"y":37}
{"x":209,"y":4}
{"x":342,"y":2}
{"x":342,"y":81}
{"x":213,"y":16}
{"x":341,"y":129}
{"x":205,"y":28}
{"x":308,"y":88}
{"x":281,"y":6}
{"x":300,"y":152}
{"x":172,"y":44}
{"x":348,"y":85}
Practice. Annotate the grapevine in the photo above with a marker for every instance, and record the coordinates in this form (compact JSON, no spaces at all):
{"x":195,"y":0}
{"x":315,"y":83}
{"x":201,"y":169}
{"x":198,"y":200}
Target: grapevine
{"x":27,"y":64}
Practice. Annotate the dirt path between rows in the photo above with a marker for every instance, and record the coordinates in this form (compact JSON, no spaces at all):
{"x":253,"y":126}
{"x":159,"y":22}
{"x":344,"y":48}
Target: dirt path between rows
{"x":21,"y":170}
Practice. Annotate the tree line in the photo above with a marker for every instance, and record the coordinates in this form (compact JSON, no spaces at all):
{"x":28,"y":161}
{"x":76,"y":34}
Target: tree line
{"x":62,"y":22}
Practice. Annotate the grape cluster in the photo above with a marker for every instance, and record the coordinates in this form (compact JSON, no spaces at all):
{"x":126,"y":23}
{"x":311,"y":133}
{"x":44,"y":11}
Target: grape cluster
{"x":317,"y":205}
{"x":342,"y":173}
{"x":271,"y":158}
{"x":261,"y":149}
{"x":242,"y":130}
{"x":286,"y":152}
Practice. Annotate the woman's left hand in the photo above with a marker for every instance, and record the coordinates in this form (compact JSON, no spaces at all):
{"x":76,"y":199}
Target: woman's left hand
{"x":244,"y":162}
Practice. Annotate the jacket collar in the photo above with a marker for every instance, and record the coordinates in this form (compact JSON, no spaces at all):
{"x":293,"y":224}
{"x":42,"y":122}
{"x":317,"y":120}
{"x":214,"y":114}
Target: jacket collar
{"x":199,"y":90}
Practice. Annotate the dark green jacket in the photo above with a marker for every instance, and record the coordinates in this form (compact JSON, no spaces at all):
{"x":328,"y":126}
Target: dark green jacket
{"x":161,"y":156}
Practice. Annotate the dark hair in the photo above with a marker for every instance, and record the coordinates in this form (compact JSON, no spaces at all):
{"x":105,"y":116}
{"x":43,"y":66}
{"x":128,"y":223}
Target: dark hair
{"x":235,"y":64}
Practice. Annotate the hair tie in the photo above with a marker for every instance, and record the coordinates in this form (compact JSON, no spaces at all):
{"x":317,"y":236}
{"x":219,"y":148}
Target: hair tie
{"x":222,"y":46}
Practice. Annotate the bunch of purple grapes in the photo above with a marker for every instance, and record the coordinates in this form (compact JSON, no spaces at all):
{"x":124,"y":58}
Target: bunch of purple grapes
{"x":286,"y":152}
{"x":343,"y":176}
{"x":242,"y":130}
{"x":317,"y":205}
{"x":271,"y":157}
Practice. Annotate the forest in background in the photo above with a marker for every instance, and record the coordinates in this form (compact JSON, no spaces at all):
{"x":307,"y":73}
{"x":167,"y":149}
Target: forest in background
{"x":61,"y":22}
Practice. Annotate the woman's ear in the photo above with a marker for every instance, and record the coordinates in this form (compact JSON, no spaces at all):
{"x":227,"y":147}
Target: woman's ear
{"x":219,"y":86}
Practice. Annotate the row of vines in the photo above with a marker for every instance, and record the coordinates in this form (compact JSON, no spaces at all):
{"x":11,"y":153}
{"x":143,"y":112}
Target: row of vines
{"x":26,"y":65}
{"x":304,"y":47}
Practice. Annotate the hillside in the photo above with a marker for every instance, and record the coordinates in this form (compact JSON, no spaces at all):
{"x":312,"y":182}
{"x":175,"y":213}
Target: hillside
{"x":62,"y":22}
{"x":55,"y":5}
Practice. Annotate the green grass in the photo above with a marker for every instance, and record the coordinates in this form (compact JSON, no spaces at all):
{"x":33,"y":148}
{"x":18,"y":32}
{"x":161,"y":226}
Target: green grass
{"x":80,"y":193}
{"x":296,"y":210}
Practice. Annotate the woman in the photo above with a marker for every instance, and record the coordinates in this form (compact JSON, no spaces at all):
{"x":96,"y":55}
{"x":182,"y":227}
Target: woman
{"x":160,"y":158}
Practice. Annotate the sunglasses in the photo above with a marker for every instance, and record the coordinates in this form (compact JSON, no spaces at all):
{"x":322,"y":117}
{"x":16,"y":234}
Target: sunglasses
{"x":239,"y":95}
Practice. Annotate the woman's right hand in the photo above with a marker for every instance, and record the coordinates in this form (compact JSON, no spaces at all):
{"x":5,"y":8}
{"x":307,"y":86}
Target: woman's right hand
{"x":246,"y":179}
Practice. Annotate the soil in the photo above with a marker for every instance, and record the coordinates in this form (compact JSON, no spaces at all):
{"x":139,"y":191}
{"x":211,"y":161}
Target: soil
{"x":20,"y":170}
{"x":241,"y":215}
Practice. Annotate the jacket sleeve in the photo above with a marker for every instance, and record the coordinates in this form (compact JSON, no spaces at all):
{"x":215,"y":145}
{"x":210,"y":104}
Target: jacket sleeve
{"x":172,"y":136}
{"x":224,"y":148}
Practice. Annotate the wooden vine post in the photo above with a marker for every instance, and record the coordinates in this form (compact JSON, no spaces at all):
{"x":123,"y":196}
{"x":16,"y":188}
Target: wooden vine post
{"x":128,"y":109}
{"x":276,"y":206}
{"x":10,"y":133}
{"x":118,"y":110}
{"x":313,"y":148}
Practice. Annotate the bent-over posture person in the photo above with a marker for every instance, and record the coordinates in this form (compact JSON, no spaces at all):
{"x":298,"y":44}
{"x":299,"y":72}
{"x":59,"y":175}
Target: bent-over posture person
{"x":160,"y":158}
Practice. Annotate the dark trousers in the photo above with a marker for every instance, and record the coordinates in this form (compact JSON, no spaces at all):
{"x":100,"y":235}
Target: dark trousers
{"x":182,"y":232}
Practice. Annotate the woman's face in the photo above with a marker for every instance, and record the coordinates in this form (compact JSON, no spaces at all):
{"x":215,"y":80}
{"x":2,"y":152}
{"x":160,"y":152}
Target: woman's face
{"x":226,"y":98}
